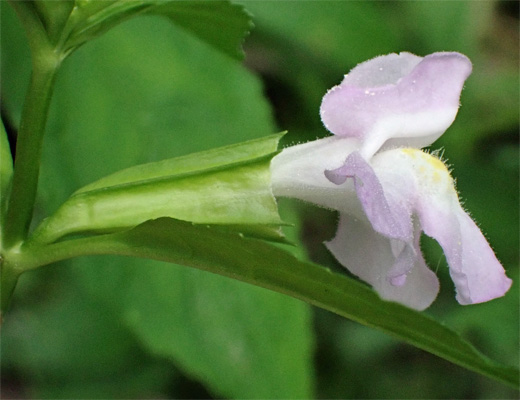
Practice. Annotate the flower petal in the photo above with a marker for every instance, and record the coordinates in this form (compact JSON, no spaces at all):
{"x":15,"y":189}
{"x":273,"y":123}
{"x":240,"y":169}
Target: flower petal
{"x":474,"y":268}
{"x":298,"y":172}
{"x":370,"y":256}
{"x":390,"y":219}
{"x":382,"y":70}
{"x":400,"y":97}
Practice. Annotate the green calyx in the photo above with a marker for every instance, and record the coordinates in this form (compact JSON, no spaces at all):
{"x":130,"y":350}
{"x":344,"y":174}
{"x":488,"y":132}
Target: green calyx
{"x":224,"y":186}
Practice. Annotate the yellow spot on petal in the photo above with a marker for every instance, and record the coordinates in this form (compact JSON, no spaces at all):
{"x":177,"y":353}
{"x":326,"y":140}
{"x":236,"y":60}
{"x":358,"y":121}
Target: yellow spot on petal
{"x":425,"y":158}
{"x":430,"y":169}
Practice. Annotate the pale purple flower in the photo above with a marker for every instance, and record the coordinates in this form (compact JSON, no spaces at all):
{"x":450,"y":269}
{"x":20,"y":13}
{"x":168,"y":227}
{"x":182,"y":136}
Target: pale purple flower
{"x":385,"y":188}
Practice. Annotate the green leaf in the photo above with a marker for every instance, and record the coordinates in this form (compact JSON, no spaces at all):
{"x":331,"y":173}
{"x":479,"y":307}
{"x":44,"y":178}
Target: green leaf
{"x":242,"y":341}
{"x":229,"y":185}
{"x":256,"y":262}
{"x":219,"y":23}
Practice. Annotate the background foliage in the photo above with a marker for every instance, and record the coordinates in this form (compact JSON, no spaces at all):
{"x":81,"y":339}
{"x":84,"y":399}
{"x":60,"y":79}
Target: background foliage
{"x":113,"y":327}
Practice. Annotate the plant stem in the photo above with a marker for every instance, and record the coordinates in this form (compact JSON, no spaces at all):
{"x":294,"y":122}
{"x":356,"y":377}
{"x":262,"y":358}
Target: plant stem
{"x":26,"y":171}
{"x":20,"y":205}
{"x":45,"y":63}
{"x":29,"y":149}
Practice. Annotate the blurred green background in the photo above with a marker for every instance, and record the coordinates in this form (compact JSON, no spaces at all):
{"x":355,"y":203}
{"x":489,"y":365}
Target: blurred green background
{"x":113,"y":327}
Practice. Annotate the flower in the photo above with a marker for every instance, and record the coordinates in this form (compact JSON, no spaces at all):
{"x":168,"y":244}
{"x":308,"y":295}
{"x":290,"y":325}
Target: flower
{"x":387,"y":190}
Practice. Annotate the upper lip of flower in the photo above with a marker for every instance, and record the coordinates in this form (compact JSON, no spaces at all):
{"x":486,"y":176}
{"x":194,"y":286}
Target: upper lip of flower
{"x":412,"y":100}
